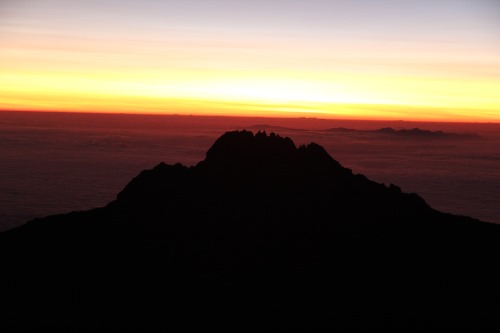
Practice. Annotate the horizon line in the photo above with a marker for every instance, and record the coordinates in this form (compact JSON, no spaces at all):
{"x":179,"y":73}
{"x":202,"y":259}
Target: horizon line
{"x":273,"y":116}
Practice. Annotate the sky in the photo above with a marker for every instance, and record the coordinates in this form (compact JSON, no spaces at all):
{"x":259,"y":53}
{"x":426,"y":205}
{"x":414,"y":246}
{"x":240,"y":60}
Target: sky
{"x":371,"y":59}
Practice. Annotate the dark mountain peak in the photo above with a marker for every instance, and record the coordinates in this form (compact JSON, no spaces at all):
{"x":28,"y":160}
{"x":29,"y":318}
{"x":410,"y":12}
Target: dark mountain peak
{"x":263,"y":153}
{"x":242,"y":160}
{"x":259,"y":221}
{"x":244,"y":145}
{"x":317,"y":155}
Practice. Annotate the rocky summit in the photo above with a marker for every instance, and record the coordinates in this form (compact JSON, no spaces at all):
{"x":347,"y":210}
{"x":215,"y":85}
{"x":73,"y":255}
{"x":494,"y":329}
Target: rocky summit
{"x":261,"y":232}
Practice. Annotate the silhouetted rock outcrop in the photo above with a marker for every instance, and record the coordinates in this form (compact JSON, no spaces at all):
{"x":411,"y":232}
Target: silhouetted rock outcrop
{"x":260,"y":231}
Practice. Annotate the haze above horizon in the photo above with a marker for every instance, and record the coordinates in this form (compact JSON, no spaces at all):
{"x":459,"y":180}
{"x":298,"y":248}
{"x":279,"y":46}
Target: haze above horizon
{"x":427,"y":60}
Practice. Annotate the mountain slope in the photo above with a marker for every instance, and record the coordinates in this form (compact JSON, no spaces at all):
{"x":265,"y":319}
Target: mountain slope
{"x":270,"y":231}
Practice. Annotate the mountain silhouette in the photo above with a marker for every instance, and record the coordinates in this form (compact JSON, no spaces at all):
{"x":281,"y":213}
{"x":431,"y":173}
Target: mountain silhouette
{"x":260,"y":232}
{"x":409,"y":133}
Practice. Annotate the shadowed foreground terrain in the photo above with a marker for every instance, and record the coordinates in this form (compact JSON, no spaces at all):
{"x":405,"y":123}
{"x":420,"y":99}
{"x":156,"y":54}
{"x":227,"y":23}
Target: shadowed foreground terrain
{"x":259,"y":232}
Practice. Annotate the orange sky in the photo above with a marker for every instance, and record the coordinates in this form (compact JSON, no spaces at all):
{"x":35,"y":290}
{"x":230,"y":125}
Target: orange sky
{"x":436,"y":60}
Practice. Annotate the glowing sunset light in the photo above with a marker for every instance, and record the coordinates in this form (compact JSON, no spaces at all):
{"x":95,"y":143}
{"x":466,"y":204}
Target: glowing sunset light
{"x":431,"y":60}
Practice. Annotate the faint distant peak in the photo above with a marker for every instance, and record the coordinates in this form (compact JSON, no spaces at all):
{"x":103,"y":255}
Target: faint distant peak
{"x":266,"y":127}
{"x":413,"y":133}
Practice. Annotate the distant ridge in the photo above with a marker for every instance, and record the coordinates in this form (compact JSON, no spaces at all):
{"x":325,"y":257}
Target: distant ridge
{"x":411,"y":133}
{"x":261,"y":232}
{"x":381,"y":132}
